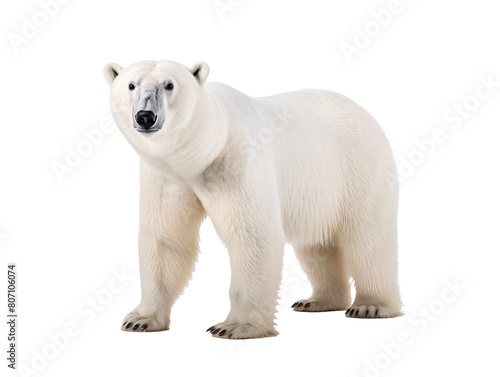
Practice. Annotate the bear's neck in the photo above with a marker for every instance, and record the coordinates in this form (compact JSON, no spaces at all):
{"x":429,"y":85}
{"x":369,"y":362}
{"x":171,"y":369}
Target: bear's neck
{"x":199,"y":143}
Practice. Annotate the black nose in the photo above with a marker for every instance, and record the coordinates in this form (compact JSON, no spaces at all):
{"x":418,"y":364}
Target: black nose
{"x":145,"y":119}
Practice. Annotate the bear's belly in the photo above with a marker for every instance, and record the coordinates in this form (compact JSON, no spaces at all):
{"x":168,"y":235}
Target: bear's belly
{"x":312,"y":196}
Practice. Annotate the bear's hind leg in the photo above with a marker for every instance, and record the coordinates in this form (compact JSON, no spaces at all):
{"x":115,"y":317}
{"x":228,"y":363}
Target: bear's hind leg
{"x":325,"y":268}
{"x":371,"y":255}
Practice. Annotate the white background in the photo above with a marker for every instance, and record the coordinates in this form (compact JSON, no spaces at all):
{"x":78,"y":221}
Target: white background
{"x":68,"y":235}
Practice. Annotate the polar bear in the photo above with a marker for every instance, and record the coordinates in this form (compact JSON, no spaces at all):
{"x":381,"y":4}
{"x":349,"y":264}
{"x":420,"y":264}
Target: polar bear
{"x":310,"y":168}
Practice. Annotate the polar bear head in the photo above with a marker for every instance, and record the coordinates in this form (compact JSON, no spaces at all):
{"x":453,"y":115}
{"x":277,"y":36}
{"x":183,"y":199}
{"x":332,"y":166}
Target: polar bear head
{"x":152,"y":99}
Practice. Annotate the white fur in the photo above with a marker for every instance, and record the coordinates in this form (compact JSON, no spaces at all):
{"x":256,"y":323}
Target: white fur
{"x":320,"y":184}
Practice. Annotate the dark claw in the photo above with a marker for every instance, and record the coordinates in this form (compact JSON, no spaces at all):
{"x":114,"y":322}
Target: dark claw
{"x":376,"y":312}
{"x":366,"y":314}
{"x":347,"y":312}
{"x":144,"y":327}
{"x":124,"y":323}
{"x":299,"y":305}
{"x":222,"y":332}
{"x":307,"y":305}
{"x":210,"y":329}
{"x":229,"y":335}
{"x":215,"y":331}
{"x":129,"y":325}
{"x":357,"y":312}
{"x":295,"y":304}
{"x":136,"y":327}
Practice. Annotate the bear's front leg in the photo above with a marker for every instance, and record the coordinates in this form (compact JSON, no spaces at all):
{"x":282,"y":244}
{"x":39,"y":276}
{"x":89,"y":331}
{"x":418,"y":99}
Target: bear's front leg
{"x":248,"y":220}
{"x":170,"y":218}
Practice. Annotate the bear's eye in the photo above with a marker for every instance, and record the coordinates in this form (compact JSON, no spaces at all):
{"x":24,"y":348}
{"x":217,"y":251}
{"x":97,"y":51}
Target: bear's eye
{"x":131,"y":86}
{"x":169,"y":86}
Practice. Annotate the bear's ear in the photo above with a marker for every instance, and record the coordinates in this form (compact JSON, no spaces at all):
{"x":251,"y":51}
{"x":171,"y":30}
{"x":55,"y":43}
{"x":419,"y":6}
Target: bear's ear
{"x":200,"y":71}
{"x":111,"y":71}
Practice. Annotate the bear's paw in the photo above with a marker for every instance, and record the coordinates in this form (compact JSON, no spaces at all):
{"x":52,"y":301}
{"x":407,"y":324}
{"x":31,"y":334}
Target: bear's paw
{"x":372,"y":311}
{"x":140,"y":323}
{"x":240,"y":331}
{"x":315,"y":305}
